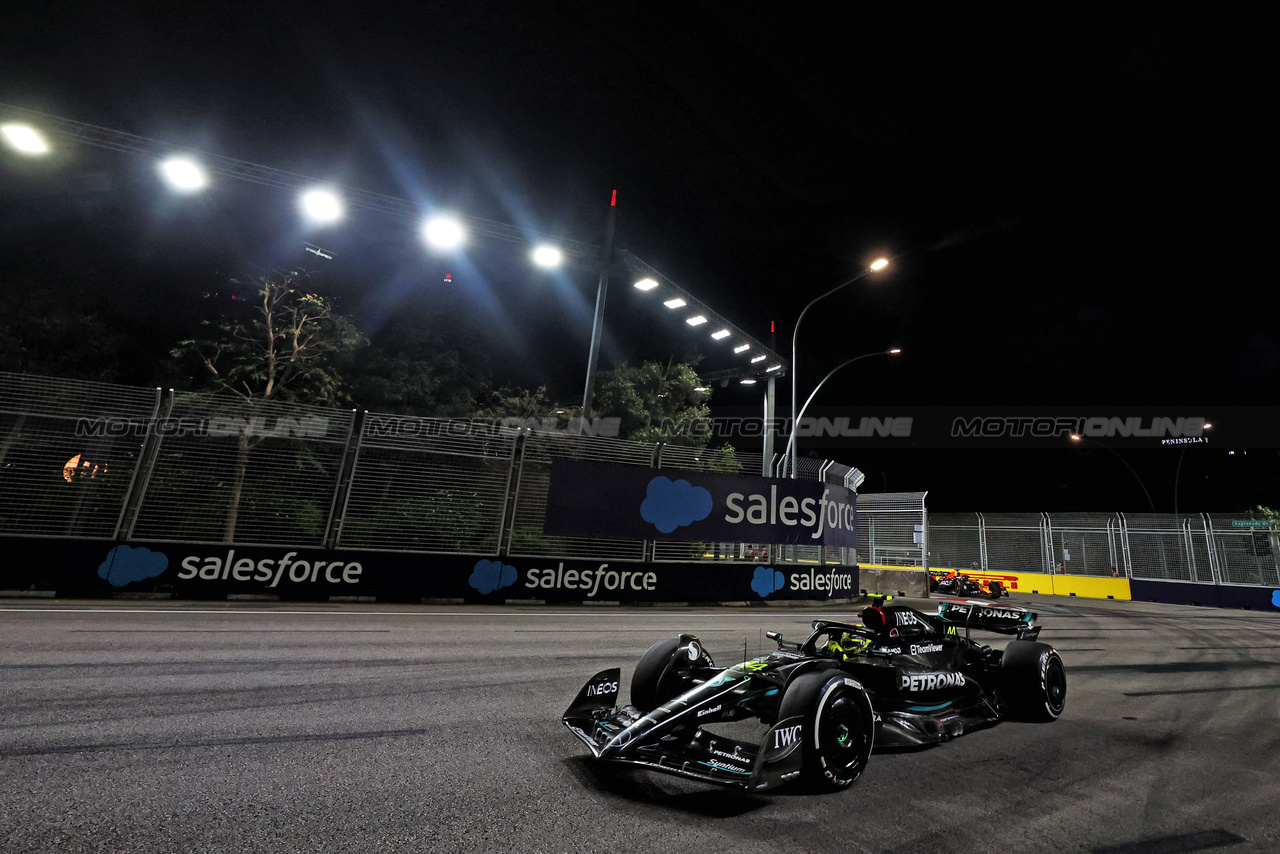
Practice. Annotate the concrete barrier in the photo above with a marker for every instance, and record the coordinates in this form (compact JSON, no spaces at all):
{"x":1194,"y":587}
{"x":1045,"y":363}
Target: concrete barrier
{"x":894,"y":580}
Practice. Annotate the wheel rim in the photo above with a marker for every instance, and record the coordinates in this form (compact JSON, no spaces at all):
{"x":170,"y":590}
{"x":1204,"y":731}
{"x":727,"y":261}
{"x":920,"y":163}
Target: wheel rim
{"x":1055,"y":686}
{"x":842,"y":738}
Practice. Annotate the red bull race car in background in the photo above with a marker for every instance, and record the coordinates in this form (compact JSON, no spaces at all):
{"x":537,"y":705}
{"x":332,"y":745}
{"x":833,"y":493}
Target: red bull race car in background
{"x":950,"y":582}
{"x":900,"y":678}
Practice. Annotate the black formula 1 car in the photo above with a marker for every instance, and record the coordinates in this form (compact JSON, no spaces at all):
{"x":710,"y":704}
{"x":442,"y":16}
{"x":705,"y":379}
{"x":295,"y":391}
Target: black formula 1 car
{"x":901,"y":678}
{"x":952,"y":583}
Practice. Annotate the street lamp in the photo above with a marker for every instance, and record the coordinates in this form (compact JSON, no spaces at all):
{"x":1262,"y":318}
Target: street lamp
{"x":24,"y":139}
{"x":321,"y":206}
{"x":1178,"y":471}
{"x":183,"y":174}
{"x":1076,"y":437}
{"x":791,"y":443}
{"x":875,"y":267}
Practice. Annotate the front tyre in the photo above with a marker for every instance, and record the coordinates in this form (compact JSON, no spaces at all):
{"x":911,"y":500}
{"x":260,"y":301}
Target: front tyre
{"x":1034,"y":681}
{"x":665,"y":671}
{"x":837,"y":729}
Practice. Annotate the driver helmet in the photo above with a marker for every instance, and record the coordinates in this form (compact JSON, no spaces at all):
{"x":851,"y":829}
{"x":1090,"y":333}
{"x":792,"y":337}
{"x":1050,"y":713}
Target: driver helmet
{"x":848,"y":644}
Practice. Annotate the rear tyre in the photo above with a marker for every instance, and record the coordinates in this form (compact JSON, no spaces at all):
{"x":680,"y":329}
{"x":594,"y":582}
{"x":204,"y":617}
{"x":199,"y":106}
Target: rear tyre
{"x":837,"y":729}
{"x":1034,"y":681}
{"x":666,"y":671}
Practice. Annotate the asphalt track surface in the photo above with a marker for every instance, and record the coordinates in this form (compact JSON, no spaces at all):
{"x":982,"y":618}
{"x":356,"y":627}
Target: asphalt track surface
{"x":209,"y":727}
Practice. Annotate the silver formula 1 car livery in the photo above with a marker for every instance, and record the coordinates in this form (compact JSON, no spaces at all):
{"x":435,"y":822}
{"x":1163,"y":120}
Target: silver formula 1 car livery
{"x":900,"y":678}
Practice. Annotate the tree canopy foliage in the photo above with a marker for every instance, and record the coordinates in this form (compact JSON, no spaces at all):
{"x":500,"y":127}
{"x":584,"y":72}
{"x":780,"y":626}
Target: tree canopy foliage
{"x":56,"y":332}
{"x":281,"y":347}
{"x":656,"y":402}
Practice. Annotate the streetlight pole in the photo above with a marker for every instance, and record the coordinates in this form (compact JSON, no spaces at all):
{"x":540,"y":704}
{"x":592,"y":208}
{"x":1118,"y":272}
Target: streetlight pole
{"x":791,"y":443}
{"x":1076,"y":437}
{"x":876,"y":266}
{"x":597,"y":324}
{"x":1177,"y":472}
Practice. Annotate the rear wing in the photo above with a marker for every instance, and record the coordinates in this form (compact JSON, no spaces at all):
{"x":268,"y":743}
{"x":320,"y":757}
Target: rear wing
{"x":1002,"y":619}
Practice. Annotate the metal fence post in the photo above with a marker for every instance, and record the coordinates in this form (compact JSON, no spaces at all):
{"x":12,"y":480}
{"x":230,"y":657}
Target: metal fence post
{"x":147,"y":441}
{"x":342,"y":489}
{"x":146,"y":468}
{"x":515,"y":468}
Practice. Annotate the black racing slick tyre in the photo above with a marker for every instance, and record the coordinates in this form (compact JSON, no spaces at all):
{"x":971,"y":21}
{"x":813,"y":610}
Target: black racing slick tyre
{"x":665,"y":671}
{"x":1034,"y":681}
{"x":837,"y":729}
{"x":997,"y":589}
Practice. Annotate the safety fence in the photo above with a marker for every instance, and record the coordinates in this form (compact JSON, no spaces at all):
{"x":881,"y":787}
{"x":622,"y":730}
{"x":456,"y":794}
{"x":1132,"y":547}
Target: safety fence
{"x":1205,"y":548}
{"x":95,"y":461}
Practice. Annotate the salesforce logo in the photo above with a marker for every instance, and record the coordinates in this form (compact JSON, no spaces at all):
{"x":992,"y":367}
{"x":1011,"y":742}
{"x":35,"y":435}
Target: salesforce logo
{"x":1275,"y":598}
{"x":125,"y":565}
{"x":767,"y":580}
{"x":671,"y":504}
{"x":491,"y":575}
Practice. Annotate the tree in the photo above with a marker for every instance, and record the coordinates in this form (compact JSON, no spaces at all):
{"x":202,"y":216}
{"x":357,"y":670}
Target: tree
{"x":656,"y":402}
{"x":57,"y":332}
{"x":419,"y":366}
{"x":282,"y":348}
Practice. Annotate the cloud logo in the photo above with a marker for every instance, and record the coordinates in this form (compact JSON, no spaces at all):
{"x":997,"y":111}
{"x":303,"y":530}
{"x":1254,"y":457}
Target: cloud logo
{"x":1275,"y":598}
{"x":673,"y":504}
{"x":491,"y":575}
{"x":767,"y":580}
{"x":125,"y":565}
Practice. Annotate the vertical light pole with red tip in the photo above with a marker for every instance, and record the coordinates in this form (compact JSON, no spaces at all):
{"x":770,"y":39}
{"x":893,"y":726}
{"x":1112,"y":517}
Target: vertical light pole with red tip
{"x":597,"y":325}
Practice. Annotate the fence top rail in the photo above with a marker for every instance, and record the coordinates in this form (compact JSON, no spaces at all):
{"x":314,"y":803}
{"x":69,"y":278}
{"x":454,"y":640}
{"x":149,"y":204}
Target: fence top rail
{"x":53,"y":396}
{"x":881,"y":502}
{"x":1013,"y":521}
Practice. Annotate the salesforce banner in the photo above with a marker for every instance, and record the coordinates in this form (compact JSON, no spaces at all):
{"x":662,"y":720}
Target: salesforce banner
{"x":105,"y":569}
{"x":604,"y":501}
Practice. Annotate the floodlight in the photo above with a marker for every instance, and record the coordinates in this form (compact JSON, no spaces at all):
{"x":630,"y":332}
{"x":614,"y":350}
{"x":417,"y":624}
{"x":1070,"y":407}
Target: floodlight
{"x":24,"y":139}
{"x":895,"y":351}
{"x":723,"y":333}
{"x":674,"y":303}
{"x":443,"y":232}
{"x":547,"y":256}
{"x":184,"y":174}
{"x":772,"y":368}
{"x":742,"y":348}
{"x":696,"y":320}
{"x":879,"y":264}
{"x":321,"y":206}
{"x":747,"y":382}
{"x":759,"y":358}
{"x":646,"y":284}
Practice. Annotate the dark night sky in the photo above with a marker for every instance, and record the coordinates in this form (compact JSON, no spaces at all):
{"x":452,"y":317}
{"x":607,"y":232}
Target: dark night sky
{"x":1070,"y":199}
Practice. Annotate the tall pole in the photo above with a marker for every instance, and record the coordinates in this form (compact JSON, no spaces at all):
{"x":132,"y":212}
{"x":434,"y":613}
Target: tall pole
{"x":597,"y":324}
{"x":769,"y":409}
{"x":1076,"y":437}
{"x":791,"y":443}
{"x":879,"y":264}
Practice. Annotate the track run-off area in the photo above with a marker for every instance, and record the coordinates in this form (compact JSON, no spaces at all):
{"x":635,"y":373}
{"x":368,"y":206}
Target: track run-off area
{"x":182,"y":727}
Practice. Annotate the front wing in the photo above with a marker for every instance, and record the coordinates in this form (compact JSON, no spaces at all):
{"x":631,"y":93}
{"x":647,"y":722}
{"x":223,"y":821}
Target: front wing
{"x":626,"y":736}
